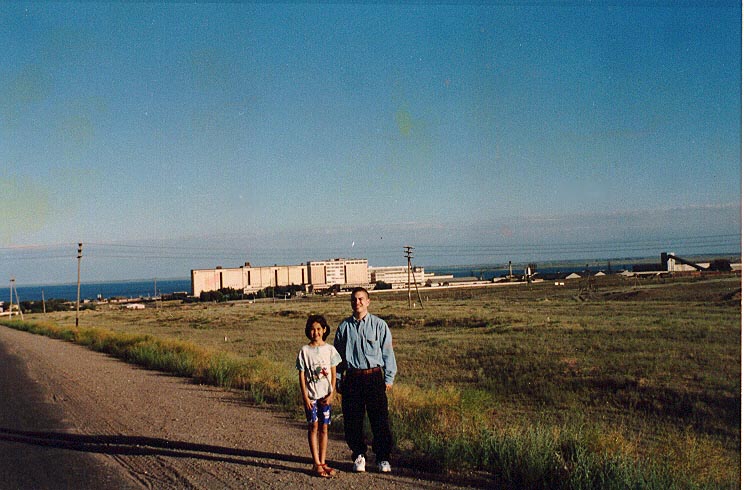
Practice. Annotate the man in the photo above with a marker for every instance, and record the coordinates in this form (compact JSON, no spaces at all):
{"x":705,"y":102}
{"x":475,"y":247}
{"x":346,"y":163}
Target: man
{"x":366,"y":373}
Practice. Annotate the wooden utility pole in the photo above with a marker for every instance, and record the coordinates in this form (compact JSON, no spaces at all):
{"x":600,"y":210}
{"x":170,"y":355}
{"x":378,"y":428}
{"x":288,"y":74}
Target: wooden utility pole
{"x":77,"y":303}
{"x":408,"y":254}
{"x":18,"y":300}
{"x":12,"y":280}
{"x":415,"y":283}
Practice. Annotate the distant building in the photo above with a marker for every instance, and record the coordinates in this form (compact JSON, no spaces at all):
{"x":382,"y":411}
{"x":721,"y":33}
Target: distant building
{"x":345,"y":273}
{"x":247,"y":278}
{"x":397,"y":276}
{"x":677,"y":264}
{"x":434,"y":280}
{"x":464,"y":281}
{"x":314,"y":275}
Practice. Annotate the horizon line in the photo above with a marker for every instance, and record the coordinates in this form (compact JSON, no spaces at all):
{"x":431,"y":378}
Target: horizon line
{"x":552,"y":262}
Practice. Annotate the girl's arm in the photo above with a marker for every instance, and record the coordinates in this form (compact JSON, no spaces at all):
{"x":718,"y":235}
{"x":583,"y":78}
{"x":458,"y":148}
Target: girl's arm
{"x":303,"y":390}
{"x":332,"y":394}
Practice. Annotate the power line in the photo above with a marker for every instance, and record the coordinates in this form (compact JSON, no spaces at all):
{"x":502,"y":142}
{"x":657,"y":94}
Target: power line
{"x":723,"y":243}
{"x":96,"y":245}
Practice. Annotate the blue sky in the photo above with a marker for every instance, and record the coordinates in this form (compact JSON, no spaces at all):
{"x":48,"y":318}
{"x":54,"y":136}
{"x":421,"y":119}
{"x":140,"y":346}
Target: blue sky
{"x":168,"y":136}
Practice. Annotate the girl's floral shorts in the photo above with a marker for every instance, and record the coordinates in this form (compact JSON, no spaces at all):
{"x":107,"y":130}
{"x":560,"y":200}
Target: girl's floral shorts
{"x":324,"y":410}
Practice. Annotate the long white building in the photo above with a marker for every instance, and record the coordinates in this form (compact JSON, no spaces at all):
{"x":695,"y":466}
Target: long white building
{"x":397,"y":276}
{"x":247,"y":278}
{"x":315,"y":275}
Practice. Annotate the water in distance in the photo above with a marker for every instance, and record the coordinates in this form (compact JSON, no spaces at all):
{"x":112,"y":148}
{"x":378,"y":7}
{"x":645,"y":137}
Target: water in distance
{"x":92,"y":291}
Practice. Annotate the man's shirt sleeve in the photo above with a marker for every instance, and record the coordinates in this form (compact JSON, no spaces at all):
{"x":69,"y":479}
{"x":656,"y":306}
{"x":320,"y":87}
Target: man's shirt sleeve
{"x":388,"y":355}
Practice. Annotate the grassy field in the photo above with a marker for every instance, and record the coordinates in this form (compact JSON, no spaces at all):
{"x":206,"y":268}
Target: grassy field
{"x":619,"y":383}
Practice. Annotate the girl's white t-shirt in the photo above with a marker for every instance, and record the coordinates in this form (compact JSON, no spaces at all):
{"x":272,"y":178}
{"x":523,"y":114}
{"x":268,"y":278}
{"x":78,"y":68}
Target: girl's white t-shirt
{"x":316,"y":363}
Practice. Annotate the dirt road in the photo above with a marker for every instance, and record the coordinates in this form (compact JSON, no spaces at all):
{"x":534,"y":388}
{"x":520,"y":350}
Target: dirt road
{"x":73,"y":418}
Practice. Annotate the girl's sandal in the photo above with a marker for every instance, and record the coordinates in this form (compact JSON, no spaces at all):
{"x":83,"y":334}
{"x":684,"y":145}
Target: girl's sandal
{"x":319,"y":470}
{"x":329,"y":471}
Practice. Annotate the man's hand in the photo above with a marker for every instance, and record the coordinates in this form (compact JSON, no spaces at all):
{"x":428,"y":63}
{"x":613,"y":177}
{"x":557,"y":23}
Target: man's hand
{"x":388,"y":387}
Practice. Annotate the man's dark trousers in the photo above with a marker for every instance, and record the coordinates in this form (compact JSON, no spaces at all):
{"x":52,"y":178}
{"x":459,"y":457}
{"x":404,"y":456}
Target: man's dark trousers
{"x":366,"y":392}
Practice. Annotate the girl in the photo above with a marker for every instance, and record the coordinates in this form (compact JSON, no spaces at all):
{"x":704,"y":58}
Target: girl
{"x":316,"y":364}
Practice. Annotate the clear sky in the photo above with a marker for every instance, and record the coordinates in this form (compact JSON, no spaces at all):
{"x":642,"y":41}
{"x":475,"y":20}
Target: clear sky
{"x":168,"y":136}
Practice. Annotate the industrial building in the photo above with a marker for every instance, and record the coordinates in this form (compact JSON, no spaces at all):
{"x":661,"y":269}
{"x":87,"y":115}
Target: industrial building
{"x":397,"y":276}
{"x":313,"y":276}
{"x":346,"y":273}
{"x":247,"y":278}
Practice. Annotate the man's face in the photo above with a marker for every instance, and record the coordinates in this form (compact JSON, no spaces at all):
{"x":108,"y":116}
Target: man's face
{"x":359,"y":303}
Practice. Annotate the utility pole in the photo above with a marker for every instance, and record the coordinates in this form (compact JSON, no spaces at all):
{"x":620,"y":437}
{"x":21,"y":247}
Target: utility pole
{"x":18,"y":300}
{"x":12,"y":280}
{"x":418,"y":293}
{"x":77,"y":303}
{"x":408,"y":254}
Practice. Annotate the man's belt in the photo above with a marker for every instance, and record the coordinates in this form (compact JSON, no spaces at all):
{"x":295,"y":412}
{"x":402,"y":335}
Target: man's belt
{"x":363,"y":372}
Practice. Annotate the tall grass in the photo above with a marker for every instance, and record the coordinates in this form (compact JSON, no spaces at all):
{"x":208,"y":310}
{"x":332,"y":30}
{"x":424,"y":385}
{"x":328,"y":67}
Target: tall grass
{"x":260,"y":377}
{"x":443,"y":430}
{"x":539,"y":457}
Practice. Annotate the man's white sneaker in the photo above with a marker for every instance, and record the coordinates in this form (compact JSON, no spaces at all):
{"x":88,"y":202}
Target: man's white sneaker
{"x":384,"y":467}
{"x":360,"y":464}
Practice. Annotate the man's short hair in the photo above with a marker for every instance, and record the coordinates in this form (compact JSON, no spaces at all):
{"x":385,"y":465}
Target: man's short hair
{"x":359,"y":289}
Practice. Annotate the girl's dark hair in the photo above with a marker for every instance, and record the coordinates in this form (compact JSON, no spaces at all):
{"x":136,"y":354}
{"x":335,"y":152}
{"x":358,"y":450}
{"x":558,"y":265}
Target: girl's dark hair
{"x":317,"y":319}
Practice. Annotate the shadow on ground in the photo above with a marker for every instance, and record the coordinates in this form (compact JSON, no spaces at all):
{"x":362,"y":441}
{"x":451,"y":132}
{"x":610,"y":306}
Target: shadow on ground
{"x":150,"y":446}
{"x":147,"y":446}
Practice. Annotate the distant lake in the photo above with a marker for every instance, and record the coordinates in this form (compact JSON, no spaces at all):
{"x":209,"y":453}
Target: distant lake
{"x":124,"y":289}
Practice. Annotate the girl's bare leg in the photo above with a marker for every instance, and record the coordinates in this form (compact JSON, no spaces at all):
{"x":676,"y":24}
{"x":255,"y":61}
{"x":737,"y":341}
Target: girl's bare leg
{"x":322,"y":442}
{"x":312,"y":439}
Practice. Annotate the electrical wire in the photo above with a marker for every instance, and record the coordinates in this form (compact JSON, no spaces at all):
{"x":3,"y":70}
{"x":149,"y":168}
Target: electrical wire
{"x":720,"y":243}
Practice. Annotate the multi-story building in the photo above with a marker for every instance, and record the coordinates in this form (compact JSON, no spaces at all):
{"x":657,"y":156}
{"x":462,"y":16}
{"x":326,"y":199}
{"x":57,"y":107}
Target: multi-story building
{"x":246,"y":278}
{"x":338,"y":272}
{"x":317,"y":275}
